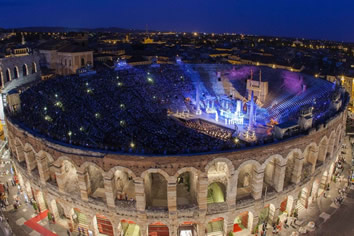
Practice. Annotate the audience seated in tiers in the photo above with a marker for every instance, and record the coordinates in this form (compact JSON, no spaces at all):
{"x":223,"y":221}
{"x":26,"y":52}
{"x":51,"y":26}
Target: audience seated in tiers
{"x":121,"y":111}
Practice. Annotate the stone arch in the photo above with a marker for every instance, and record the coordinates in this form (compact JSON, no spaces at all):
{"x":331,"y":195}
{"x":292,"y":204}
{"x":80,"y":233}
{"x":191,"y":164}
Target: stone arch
{"x":112,"y":171}
{"x":274,"y":173}
{"x":62,"y":159}
{"x":34,"y":67}
{"x":322,"y":151}
{"x":20,"y":154}
{"x":8,"y":75}
{"x":24,"y":70}
{"x":93,"y":178}
{"x":16,"y":73}
{"x":155,"y":186}
{"x":293,"y":166}
{"x":58,"y":212}
{"x":303,"y":198}
{"x":338,"y":137}
{"x":315,"y":188}
{"x":128,"y":227}
{"x":40,"y":200}
{"x":245,"y":179}
{"x":30,"y":156}
{"x":215,"y":226}
{"x":102,"y":225}
{"x":123,"y":186}
{"x":331,"y":141}
{"x":67,"y":179}
{"x":44,"y":161}
{"x":230,"y":166}
{"x":216,"y":193}
{"x":244,"y":222}
{"x":310,"y":159}
{"x":158,"y":228}
{"x":187,"y":190}
{"x":79,"y":219}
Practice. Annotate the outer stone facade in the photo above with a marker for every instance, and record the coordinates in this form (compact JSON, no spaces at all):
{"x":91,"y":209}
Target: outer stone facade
{"x":83,"y":188}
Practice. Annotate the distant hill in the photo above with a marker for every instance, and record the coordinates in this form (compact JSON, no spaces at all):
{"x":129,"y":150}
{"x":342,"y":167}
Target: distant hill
{"x":68,"y":29}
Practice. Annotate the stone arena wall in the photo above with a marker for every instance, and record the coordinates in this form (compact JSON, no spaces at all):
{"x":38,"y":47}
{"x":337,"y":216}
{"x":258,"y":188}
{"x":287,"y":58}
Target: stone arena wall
{"x":291,"y":171}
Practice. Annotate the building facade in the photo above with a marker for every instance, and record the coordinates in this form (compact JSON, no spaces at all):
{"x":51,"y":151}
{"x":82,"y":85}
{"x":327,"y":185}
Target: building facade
{"x":205,"y":194}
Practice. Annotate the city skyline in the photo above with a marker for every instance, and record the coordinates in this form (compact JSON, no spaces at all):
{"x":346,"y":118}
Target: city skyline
{"x":327,"y":21}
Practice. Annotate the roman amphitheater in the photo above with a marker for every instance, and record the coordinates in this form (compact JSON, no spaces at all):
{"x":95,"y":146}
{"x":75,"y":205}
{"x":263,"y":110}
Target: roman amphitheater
{"x":132,"y":189}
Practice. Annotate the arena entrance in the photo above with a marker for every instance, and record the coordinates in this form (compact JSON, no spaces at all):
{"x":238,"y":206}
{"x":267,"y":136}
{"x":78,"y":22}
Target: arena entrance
{"x":187,"y":229}
{"x":103,"y":226}
{"x":158,"y":229}
{"x":79,"y":222}
{"x":127,"y":227}
{"x":216,"y":193}
{"x":243,"y":223}
{"x":216,"y":227}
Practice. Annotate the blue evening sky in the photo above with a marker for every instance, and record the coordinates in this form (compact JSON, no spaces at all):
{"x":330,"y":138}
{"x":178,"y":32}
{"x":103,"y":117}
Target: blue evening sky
{"x":319,"y":19}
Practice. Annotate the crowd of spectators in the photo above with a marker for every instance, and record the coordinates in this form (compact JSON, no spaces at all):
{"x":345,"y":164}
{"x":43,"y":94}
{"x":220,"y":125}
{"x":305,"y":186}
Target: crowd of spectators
{"x":117,"y":110}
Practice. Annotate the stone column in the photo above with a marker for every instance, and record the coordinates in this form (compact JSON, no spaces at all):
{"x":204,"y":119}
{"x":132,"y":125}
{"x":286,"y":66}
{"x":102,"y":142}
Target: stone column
{"x":59,"y":177}
{"x":254,"y":224}
{"x":257,"y":182}
{"x":110,"y":192}
{"x":140,"y":194}
{"x":30,"y":161}
{"x":43,"y":169}
{"x":228,"y":224}
{"x":232,"y":191}
{"x":83,"y":184}
{"x":275,"y":215}
{"x":172,"y":205}
{"x":201,"y":228}
{"x":296,"y":175}
{"x":202,"y":192}
{"x":279,"y":176}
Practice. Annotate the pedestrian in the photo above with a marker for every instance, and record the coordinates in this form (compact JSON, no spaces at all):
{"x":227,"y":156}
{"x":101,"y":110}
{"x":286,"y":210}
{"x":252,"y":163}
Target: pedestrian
{"x":286,"y":222}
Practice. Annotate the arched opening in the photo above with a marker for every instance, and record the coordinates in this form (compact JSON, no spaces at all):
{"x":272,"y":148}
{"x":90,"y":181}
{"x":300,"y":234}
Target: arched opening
{"x":187,"y":190}
{"x":216,"y":193}
{"x":309,"y":164}
{"x":243,"y":223}
{"x":82,"y":62}
{"x":158,"y":229}
{"x":31,"y":161}
{"x":8,"y":75}
{"x":290,"y":167}
{"x":270,"y":178}
{"x":314,"y":191}
{"x":34,"y":67}
{"x":124,"y":188}
{"x":59,"y":213}
{"x":322,"y":150}
{"x":155,"y":191}
{"x":188,"y":228}
{"x":244,"y":183}
{"x":216,"y":227}
{"x":69,"y":177}
{"x":219,"y":172}
{"x":20,"y":154}
{"x":95,"y":184}
{"x":102,"y":225}
{"x":16,"y":73}
{"x":25,"y":70}
{"x":303,"y":199}
{"x":45,"y":162}
{"x":39,"y":200}
{"x":29,"y":191}
{"x":80,"y":222}
{"x":127,"y":227}
{"x":267,"y":214}
{"x":323,"y":183}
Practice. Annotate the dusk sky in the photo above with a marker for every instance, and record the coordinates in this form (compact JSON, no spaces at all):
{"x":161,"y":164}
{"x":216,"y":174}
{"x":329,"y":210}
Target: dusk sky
{"x":318,"y":19}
